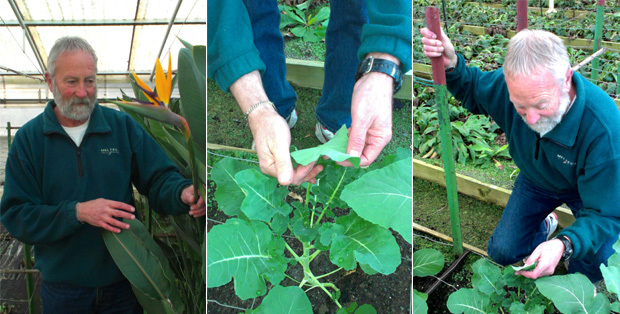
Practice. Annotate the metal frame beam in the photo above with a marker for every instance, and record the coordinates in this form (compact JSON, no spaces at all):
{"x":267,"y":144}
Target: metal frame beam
{"x":103,"y":22}
{"x":35,"y":50}
{"x":163,"y":43}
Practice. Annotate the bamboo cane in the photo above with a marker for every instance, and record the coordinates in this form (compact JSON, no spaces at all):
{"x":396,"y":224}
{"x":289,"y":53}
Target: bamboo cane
{"x":598,"y":34}
{"x":439,"y":77}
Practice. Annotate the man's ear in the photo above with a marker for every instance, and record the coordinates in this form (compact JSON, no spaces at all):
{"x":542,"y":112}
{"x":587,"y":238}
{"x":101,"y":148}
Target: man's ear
{"x":48,"y":80}
{"x":569,"y":80}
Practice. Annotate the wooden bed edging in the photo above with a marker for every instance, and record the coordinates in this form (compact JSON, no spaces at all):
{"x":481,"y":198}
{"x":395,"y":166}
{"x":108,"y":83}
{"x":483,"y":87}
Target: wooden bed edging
{"x":478,"y":190}
{"x":310,"y":74}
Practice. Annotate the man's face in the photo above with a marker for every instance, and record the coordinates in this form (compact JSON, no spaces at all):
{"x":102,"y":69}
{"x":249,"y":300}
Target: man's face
{"x":74,"y":85}
{"x":539,"y":100}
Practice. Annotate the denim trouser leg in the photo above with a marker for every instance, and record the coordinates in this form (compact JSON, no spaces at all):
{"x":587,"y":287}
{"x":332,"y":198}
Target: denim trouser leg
{"x":265,"y":18}
{"x":522,"y":228}
{"x":342,"y":42}
{"x":66,"y":299}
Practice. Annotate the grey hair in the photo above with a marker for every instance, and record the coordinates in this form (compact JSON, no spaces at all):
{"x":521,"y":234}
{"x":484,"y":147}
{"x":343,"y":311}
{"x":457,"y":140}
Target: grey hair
{"x":68,"y":44}
{"x":531,"y":51}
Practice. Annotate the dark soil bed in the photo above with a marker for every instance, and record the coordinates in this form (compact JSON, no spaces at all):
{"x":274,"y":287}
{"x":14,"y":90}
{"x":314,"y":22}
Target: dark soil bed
{"x":387,"y":294}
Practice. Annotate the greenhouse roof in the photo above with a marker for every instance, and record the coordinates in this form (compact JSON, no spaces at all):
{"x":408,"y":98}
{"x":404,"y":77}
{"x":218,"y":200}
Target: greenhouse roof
{"x":128,"y":35}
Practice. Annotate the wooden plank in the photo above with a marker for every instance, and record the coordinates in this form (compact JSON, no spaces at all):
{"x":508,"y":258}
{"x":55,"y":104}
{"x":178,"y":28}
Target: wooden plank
{"x":477,"y":189}
{"x":578,"y":14}
{"x":581,"y":43}
{"x":310,"y":74}
{"x":447,"y":238}
{"x":424,"y":71}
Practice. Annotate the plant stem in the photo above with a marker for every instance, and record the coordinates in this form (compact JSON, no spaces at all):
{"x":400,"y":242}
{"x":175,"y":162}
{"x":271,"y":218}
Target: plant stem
{"x":309,"y":277}
{"x":333,"y":195}
{"x":292,"y":252}
{"x":332,"y":272}
{"x":315,"y":254}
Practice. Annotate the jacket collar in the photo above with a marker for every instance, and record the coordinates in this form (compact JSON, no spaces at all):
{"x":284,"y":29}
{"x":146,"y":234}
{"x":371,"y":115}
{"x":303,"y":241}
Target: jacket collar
{"x":97,"y":124}
{"x":565,"y":133}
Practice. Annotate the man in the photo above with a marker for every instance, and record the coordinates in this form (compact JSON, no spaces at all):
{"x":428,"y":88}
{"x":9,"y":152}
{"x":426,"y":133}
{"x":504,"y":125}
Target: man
{"x":246,"y":57}
{"x":69,"y":175}
{"x":563,"y":134}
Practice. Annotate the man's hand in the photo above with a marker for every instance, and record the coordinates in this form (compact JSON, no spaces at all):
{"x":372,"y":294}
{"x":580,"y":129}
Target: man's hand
{"x":272,"y":138}
{"x":438,"y":48}
{"x":371,"y":115}
{"x":196,"y":209}
{"x":104,"y":213}
{"x":548,"y":255}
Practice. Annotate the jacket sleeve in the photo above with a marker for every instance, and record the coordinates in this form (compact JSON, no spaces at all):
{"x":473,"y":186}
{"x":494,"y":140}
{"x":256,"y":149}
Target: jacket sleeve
{"x":22,"y":210}
{"x":231,"y":52}
{"x":155,"y":175}
{"x":599,"y":189}
{"x":388,"y":30}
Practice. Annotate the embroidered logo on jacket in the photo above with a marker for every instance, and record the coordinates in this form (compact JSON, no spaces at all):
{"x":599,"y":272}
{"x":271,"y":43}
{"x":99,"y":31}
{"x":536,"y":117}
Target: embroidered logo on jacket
{"x":566,"y":161}
{"x":110,"y":151}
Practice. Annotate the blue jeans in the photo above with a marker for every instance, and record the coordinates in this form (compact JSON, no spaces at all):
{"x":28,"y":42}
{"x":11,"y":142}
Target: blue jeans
{"x":64,"y":298}
{"x":522,"y":228}
{"x":342,"y":42}
{"x":265,"y":19}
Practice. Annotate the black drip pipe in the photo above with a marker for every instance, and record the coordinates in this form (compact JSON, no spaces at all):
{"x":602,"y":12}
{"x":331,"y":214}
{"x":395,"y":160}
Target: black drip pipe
{"x":447,"y":273}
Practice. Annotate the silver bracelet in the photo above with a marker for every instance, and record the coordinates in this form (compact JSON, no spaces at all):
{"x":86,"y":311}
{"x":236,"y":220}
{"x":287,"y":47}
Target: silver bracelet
{"x":267,"y":102}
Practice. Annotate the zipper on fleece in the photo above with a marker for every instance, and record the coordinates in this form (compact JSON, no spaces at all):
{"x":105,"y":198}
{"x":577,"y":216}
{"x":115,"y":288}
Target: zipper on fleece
{"x":79,"y":160}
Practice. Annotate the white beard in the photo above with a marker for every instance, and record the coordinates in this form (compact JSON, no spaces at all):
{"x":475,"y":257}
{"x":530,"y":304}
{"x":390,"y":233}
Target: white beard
{"x":545,"y":124}
{"x":78,"y":109}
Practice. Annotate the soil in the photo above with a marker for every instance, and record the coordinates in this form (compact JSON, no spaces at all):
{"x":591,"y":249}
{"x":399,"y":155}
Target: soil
{"x":387,"y":294}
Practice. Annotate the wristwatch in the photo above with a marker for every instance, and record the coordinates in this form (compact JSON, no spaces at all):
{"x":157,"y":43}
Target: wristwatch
{"x":372,"y":64}
{"x":568,"y":247}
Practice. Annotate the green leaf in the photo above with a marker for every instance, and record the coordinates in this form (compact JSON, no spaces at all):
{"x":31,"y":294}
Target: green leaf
{"x":331,"y":181}
{"x":247,"y":252}
{"x":486,"y":276}
{"x":300,"y":224}
{"x":323,"y":14}
{"x":192,"y":89}
{"x":572,"y":293}
{"x":299,"y":31}
{"x":157,"y":113}
{"x":335,"y":149}
{"x":284,"y":300}
{"x":427,"y":262}
{"x":611,"y":272}
{"x":263,"y":196}
{"x":229,"y":195}
{"x":529,"y":267}
{"x":151,"y":305}
{"x":384,"y":197}
{"x":143,"y":263}
{"x":354,"y":239}
{"x":468,"y":301}
{"x":353,"y":309}
{"x":418,"y":304}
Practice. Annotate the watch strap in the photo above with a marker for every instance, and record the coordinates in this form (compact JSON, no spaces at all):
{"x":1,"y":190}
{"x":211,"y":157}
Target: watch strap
{"x":568,"y":247}
{"x":372,"y":64}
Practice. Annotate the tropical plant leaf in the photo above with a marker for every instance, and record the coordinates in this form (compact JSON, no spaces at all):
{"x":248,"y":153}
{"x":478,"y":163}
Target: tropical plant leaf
{"x":229,"y":195}
{"x":284,"y":300}
{"x":335,"y":149}
{"x":468,"y":301}
{"x":573,"y":293}
{"x":263,"y":196}
{"x":384,"y":197}
{"x":355,"y":239}
{"x":143,"y":263}
{"x":151,"y":305}
{"x":192,"y":89}
{"x":427,"y":262}
{"x":247,"y":252}
{"x":158,"y":113}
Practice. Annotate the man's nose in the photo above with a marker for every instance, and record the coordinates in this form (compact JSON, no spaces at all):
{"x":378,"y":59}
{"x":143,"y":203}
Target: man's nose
{"x":532,"y":116}
{"x":81,"y":91}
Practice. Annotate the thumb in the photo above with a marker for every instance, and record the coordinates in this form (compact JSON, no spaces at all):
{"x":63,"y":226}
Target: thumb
{"x":357,"y":140}
{"x":284,"y":167}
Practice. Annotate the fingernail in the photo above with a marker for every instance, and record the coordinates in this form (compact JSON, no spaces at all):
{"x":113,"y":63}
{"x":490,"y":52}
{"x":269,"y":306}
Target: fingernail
{"x":133,"y":217}
{"x":354,"y":153}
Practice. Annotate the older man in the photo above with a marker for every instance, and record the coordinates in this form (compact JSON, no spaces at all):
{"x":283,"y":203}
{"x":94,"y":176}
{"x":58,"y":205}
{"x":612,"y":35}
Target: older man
{"x":563,"y":134}
{"x":69,"y":174}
